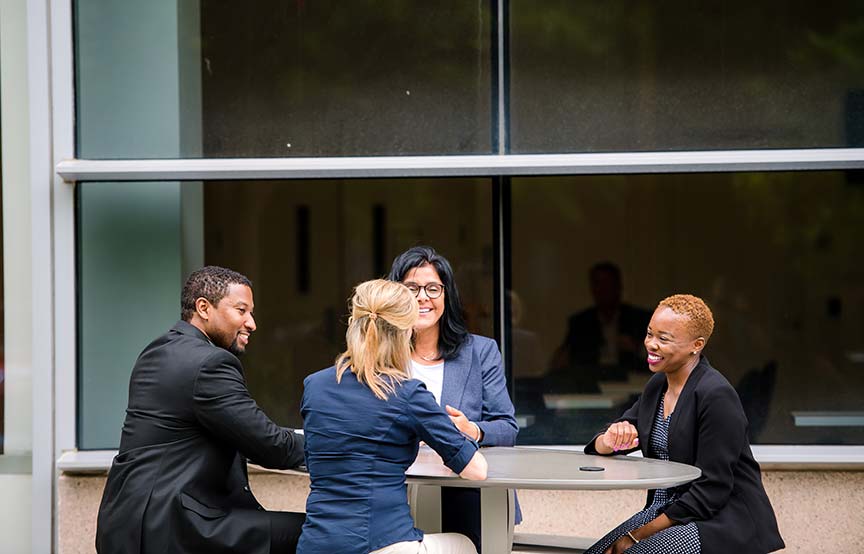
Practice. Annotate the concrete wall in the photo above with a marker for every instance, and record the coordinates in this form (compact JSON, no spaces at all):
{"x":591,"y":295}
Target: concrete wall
{"x":818,"y":511}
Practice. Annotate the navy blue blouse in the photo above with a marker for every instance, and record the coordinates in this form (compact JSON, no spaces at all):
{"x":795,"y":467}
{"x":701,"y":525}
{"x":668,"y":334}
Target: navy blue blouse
{"x":357,"y":450}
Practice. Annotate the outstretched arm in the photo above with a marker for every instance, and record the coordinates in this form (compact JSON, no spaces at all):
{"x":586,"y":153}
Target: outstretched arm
{"x":476,"y":468}
{"x":225,"y":408}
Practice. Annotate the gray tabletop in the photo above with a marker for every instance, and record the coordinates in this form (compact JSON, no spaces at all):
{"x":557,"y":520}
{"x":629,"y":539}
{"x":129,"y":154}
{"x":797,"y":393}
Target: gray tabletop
{"x":537,"y":468}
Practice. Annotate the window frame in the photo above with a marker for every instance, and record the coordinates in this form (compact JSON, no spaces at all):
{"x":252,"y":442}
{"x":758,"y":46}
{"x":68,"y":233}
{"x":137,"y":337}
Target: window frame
{"x":58,"y":64}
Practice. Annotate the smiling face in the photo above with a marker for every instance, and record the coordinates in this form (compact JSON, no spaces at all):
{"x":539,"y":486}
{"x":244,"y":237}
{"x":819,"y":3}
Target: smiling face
{"x":230,"y":322}
{"x":431,"y":309}
{"x":670,"y":342}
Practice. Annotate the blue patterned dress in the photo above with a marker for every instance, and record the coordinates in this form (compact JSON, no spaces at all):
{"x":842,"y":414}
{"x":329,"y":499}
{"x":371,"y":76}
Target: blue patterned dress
{"x":678,"y":539}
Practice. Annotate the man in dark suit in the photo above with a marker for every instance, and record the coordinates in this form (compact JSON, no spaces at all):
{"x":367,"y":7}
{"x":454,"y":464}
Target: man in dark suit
{"x":603,"y":342}
{"x":179,"y":482}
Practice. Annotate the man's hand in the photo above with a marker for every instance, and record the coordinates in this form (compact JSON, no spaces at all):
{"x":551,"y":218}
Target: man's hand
{"x":462,"y":423}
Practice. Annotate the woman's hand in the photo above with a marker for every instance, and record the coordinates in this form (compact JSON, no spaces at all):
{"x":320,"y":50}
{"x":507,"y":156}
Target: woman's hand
{"x":620,"y":436}
{"x":627,"y":540}
{"x":466,"y":426}
{"x":621,"y":545}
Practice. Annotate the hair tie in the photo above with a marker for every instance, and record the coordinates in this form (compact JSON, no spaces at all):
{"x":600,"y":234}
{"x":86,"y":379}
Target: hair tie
{"x":373,"y":315}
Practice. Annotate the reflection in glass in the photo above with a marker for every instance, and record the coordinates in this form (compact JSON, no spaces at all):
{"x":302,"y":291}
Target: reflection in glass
{"x":367,"y":77}
{"x":619,"y":76}
{"x":169,"y":79}
{"x":775,"y":255}
{"x":305,"y":244}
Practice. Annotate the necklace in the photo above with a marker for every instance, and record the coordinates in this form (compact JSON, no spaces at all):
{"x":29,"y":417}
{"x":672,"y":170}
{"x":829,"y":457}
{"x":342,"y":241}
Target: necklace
{"x":431,"y":358}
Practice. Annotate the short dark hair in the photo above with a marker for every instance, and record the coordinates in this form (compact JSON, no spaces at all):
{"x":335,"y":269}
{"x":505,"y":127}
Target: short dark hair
{"x":453,"y":331}
{"x":211,"y":283}
{"x":608,"y":267}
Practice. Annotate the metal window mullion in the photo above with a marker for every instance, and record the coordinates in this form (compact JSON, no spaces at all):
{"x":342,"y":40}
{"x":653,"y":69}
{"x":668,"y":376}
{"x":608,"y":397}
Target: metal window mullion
{"x":63,"y":222}
{"x":461,"y":166}
{"x":503,"y":92}
{"x":43,"y":514}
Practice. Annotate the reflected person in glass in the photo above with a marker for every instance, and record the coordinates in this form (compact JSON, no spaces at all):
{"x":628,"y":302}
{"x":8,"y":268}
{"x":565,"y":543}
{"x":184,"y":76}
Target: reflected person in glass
{"x":603,"y":342}
{"x":363,"y":420}
{"x":463,"y":371}
{"x":689,"y":413}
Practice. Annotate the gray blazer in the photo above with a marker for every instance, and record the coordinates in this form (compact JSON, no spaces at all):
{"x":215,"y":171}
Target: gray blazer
{"x":474,"y":383}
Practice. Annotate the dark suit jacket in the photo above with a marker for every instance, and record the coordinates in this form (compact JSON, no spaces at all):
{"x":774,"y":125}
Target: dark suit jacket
{"x":709,"y":430}
{"x":179,"y":482}
{"x":585,"y":339}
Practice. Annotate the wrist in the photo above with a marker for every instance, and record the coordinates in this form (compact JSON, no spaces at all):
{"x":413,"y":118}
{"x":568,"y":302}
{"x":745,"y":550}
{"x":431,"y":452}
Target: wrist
{"x":632,"y":538}
{"x":601,"y":447}
{"x":478,"y":431}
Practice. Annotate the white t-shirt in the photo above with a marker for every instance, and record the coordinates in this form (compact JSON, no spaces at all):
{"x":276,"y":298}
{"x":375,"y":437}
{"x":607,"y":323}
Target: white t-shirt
{"x":431,"y":375}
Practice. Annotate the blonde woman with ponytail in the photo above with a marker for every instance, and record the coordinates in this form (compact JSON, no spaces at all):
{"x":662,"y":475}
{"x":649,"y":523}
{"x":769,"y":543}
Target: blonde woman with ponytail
{"x":364,"y":418}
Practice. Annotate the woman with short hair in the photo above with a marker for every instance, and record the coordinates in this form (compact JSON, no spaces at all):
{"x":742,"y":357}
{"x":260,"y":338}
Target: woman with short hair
{"x":689,"y":413}
{"x":463,"y":371}
{"x":363,"y":420}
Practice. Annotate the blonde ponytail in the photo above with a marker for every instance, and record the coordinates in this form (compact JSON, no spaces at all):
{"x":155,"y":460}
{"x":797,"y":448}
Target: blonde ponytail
{"x":378,"y":338}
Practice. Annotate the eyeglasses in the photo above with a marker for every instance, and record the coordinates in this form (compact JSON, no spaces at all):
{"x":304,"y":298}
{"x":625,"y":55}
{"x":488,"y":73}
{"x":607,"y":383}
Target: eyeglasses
{"x":433,"y":290}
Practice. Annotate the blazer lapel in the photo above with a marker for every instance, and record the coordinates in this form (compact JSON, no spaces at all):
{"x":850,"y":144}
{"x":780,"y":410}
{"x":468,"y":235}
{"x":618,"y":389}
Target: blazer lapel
{"x":647,"y":410}
{"x":455,"y":377}
{"x":687,"y":395}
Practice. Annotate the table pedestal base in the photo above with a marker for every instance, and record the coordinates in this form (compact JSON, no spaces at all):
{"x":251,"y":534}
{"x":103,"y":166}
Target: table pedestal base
{"x":497,"y":506}
{"x":497,"y":513}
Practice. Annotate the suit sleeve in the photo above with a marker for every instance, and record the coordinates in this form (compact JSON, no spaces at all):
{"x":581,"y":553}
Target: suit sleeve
{"x":631,"y":415}
{"x":498,"y":419}
{"x":721,"y":435}
{"x":224,"y":407}
{"x":435,"y":428}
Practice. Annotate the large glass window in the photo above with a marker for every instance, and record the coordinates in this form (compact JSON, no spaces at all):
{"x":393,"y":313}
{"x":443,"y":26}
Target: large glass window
{"x":678,"y":75}
{"x":777,"y":256}
{"x":304,"y":244}
{"x":211,"y":78}
{"x":279,"y":79}
{"x":772,"y":253}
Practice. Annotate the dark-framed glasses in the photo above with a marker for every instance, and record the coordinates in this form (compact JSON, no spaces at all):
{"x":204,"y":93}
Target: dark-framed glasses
{"x":433,"y":290}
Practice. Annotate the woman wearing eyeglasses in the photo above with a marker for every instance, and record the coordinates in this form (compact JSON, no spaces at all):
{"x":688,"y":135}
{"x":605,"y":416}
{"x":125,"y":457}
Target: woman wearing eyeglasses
{"x":462,"y":370}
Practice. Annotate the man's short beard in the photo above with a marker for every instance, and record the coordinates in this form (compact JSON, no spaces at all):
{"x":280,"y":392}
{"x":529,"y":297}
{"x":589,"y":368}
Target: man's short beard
{"x":220,"y":340}
{"x":235,"y":349}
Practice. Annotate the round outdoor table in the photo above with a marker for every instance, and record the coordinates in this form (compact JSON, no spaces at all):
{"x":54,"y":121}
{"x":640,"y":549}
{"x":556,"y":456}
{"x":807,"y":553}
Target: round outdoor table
{"x":513,"y":468}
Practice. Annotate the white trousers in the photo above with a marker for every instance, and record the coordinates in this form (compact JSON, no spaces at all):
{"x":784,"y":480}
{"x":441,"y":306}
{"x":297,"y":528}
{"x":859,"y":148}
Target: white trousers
{"x":432,"y":543}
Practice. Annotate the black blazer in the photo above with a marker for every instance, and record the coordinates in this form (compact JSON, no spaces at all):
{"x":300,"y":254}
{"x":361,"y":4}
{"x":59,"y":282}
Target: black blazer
{"x":709,"y":431}
{"x":179,"y":482}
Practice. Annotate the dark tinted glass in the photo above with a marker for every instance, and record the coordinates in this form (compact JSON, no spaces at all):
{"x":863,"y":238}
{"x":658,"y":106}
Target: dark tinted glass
{"x":304,"y":244}
{"x":677,"y":75}
{"x":777,"y":257}
{"x":277,"y":79}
